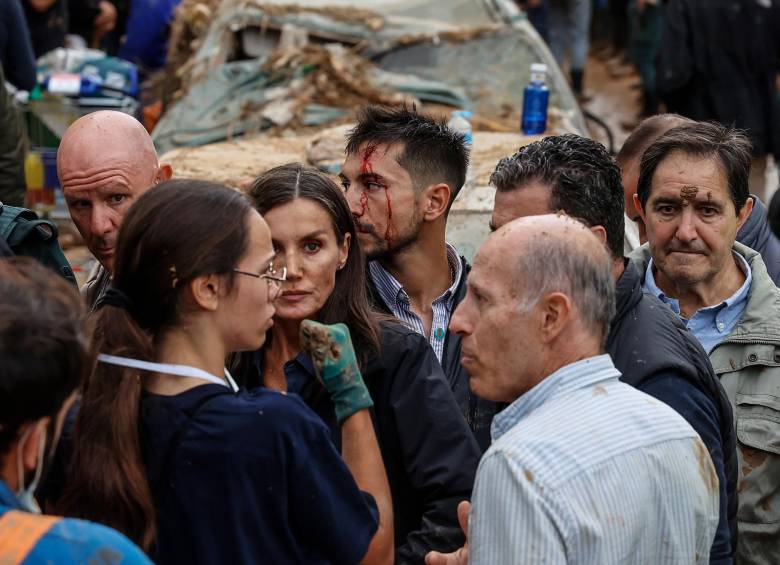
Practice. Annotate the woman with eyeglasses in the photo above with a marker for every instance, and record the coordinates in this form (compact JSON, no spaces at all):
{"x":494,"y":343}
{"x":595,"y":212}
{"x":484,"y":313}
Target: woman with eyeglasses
{"x":167,"y":450}
{"x":428,"y":449}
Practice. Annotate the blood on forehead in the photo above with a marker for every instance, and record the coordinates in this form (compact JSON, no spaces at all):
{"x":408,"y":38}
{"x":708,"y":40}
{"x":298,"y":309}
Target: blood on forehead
{"x":365,"y":161}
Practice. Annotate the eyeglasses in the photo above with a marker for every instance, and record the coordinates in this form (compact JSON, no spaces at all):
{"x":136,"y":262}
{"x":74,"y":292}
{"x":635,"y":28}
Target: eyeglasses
{"x":274,"y":279}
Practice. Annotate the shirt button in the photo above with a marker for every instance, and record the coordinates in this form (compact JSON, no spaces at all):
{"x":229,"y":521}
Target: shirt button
{"x":439,"y":334}
{"x":721,"y":326}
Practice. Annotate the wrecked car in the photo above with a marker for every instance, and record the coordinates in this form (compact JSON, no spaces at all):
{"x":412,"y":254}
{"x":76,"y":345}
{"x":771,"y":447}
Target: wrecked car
{"x":277,"y":81}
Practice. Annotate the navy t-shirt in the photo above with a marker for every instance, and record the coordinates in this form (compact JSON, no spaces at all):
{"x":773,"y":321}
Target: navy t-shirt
{"x":251,"y":477}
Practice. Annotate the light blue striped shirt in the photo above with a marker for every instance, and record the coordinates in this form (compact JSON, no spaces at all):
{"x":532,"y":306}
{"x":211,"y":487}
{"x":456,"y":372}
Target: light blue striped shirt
{"x":394,"y":296}
{"x":585,"y":469}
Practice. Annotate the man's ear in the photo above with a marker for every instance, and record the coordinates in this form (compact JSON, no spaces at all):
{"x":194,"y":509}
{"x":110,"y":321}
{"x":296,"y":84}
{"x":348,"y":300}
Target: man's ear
{"x":639,"y":209}
{"x":744,"y":214}
{"x":205,"y":291}
{"x":31,"y":449}
{"x":164,"y":173}
{"x":435,"y":199}
{"x":555,"y":312}
{"x":600,"y":233}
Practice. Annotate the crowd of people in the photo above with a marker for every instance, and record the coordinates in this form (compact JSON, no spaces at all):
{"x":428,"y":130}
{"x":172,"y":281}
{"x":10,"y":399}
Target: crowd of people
{"x":310,"y":373}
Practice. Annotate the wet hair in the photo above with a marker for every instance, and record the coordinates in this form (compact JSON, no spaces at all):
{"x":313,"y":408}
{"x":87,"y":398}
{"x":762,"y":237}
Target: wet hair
{"x":730,"y":147}
{"x":553,"y":264}
{"x":645,"y":134}
{"x":44,"y":345}
{"x":348,"y":303}
{"x":583,"y":178}
{"x":174,"y":233}
{"x":432,"y":152}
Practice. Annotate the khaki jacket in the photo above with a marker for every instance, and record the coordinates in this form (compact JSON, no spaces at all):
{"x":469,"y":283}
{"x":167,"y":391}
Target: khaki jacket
{"x":748,"y":365}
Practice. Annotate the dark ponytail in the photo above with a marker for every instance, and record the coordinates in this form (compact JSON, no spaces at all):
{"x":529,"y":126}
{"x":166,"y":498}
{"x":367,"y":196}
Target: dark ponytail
{"x":174,"y":233}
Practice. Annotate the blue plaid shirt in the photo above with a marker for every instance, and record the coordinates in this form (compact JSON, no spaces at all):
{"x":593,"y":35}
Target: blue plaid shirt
{"x":713,"y":324}
{"x":394,"y":296}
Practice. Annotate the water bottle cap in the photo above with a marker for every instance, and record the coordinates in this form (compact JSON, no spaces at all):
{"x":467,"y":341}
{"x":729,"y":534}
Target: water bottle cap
{"x":538,"y":68}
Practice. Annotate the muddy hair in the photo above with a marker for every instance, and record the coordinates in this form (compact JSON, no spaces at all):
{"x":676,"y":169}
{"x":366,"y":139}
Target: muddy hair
{"x":175,"y":232}
{"x":349,"y":302}
{"x":730,"y":147}
{"x":432,"y":152}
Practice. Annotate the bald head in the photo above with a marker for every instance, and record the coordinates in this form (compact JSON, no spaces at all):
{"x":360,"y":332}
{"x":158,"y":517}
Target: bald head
{"x":555,"y":253}
{"x":543,"y":281}
{"x":106,"y":159}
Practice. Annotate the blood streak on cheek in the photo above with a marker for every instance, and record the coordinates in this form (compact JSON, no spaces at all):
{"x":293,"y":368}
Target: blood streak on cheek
{"x":390,"y":233}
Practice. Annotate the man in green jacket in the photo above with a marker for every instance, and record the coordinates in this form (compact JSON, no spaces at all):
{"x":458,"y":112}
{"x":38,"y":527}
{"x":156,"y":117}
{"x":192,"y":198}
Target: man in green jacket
{"x":693,"y":197}
{"x":12,"y":150}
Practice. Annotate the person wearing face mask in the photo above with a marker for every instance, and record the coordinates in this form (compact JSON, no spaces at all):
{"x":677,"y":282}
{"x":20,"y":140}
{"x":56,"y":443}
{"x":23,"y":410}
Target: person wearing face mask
{"x":44,"y":354}
{"x":428,"y":449}
{"x":191,"y":468}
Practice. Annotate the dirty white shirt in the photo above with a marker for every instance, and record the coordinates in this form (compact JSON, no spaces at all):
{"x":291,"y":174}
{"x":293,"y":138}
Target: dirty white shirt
{"x":585,"y":469}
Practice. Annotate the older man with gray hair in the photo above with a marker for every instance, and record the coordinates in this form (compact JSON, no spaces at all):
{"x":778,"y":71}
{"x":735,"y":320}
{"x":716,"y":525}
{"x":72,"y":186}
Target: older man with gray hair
{"x":583,"y":468}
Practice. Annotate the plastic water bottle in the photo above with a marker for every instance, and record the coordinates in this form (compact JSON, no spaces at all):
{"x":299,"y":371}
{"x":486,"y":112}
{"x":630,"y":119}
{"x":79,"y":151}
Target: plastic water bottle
{"x":535,"y":98}
{"x":460,"y":122}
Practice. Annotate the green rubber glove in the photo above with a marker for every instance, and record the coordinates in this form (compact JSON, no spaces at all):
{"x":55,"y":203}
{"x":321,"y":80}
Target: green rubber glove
{"x":331,"y":351}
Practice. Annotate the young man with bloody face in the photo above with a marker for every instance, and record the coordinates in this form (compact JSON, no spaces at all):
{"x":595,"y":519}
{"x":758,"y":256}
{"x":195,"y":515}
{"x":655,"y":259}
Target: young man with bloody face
{"x":693,"y":197}
{"x":402,"y":172}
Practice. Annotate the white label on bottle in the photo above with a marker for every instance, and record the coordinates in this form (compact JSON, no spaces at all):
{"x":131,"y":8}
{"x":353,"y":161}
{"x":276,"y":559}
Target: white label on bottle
{"x":65,"y":83}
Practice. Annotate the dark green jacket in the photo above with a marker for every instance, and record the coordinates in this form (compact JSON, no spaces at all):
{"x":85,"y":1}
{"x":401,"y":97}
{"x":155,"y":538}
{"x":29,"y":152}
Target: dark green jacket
{"x":12,"y":150}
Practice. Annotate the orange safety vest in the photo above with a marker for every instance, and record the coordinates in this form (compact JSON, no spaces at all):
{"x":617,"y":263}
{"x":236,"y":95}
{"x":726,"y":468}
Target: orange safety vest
{"x":20,"y":532}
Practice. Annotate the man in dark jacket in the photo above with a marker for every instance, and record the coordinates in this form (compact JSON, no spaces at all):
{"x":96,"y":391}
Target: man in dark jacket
{"x":653,"y":350}
{"x":402,"y":172}
{"x":718,"y":61}
{"x":16,"y":51}
{"x":757,"y":235}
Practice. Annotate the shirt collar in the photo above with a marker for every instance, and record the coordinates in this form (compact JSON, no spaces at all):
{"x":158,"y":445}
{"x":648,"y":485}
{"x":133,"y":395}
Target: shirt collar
{"x":574,"y":376}
{"x":7,"y":497}
{"x":738,"y":296}
{"x":390,"y":287}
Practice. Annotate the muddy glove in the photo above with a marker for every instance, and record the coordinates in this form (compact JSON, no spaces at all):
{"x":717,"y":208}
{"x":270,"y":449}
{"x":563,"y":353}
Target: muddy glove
{"x":331,"y":351}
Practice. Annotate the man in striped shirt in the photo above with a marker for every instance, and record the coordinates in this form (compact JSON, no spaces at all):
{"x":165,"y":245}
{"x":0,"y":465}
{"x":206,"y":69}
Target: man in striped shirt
{"x":401,"y":175}
{"x":583,"y":468}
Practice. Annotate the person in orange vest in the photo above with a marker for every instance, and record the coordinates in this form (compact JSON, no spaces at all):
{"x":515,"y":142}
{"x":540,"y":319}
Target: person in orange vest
{"x":44,"y":352}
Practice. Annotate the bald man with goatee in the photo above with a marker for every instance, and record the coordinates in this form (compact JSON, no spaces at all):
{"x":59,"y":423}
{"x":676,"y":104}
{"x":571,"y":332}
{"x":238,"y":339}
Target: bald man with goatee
{"x":105,"y":161}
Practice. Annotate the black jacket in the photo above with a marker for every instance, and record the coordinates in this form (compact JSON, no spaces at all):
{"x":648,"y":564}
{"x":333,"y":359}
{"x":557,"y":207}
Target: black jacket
{"x":477,"y":411}
{"x":718,"y":61}
{"x":656,"y":354}
{"x":757,"y":235}
{"x":430,"y":456}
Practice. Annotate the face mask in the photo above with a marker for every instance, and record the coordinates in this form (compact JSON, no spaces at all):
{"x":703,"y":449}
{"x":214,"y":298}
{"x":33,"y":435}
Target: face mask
{"x":25,"y":495}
